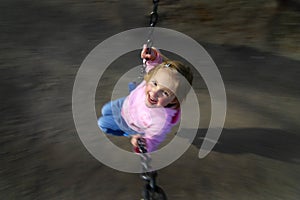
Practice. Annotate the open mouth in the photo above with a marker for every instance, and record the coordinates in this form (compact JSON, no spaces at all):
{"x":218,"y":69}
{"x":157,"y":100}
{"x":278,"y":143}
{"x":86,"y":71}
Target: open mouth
{"x":151,"y":100}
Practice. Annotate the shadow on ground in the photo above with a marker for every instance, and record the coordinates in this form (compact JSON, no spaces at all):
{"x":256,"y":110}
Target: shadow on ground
{"x":270,"y":143}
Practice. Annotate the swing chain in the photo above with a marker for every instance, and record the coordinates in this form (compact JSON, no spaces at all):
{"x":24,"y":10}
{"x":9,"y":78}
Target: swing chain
{"x":149,"y":43}
{"x":153,"y":22}
{"x":153,"y":14}
{"x":145,"y":157}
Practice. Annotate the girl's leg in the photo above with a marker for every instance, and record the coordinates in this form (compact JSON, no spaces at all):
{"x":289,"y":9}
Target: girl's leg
{"x":107,"y":122}
{"x":108,"y":125}
{"x":107,"y":109}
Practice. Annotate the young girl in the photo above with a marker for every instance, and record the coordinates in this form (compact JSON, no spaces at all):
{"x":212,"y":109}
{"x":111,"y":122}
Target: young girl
{"x":153,"y":107}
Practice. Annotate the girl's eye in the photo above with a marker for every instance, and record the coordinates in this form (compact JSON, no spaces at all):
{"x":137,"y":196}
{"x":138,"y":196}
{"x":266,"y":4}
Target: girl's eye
{"x":154,"y":83}
{"x":166,"y":94}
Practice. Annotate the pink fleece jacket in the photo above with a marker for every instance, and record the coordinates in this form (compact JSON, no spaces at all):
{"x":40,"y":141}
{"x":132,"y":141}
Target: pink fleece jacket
{"x":152,"y":123}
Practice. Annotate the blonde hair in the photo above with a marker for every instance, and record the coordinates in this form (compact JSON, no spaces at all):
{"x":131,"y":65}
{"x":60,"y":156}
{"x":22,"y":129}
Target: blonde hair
{"x":185,"y":71}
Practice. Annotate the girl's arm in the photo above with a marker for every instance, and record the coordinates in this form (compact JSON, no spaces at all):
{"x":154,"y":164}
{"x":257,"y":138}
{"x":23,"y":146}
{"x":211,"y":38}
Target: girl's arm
{"x":152,"y":58}
{"x":155,"y":135}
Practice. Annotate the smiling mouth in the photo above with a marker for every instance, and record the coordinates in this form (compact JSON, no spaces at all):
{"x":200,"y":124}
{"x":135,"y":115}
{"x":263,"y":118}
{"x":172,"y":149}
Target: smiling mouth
{"x":151,"y":100}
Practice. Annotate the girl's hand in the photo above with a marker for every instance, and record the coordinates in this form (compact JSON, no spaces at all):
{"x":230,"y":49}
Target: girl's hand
{"x":134,"y":139}
{"x":145,"y":54}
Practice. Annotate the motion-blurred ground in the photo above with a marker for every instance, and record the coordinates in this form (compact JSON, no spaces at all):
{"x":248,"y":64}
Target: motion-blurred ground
{"x":255,"y":45}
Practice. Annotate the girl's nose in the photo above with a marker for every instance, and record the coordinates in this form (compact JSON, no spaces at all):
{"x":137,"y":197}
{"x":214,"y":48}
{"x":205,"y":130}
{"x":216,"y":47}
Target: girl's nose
{"x":156,"y":92}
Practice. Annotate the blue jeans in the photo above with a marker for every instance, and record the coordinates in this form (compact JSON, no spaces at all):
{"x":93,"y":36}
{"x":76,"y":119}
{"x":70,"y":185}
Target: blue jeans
{"x":112,"y":122}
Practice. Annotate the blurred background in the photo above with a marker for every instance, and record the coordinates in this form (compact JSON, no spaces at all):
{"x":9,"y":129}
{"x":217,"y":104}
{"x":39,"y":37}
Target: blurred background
{"x":256,"y":46}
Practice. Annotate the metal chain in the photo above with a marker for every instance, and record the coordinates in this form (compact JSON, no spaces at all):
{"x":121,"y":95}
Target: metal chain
{"x":145,"y":157}
{"x":153,"y":22}
{"x":149,"y":43}
{"x":153,"y":14}
{"x":145,"y":160}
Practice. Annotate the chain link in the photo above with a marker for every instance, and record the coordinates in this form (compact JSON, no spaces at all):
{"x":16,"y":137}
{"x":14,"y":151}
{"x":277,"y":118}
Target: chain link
{"x":149,"y":43}
{"x":153,"y":22}
{"x":145,"y":157}
{"x":153,"y":14}
{"x":145,"y":161}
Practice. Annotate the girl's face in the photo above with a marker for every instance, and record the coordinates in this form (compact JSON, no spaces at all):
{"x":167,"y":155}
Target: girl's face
{"x":160,"y":88}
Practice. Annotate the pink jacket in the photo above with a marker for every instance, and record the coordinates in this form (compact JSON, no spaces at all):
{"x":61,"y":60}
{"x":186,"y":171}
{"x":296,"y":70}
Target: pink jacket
{"x":152,"y":123}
